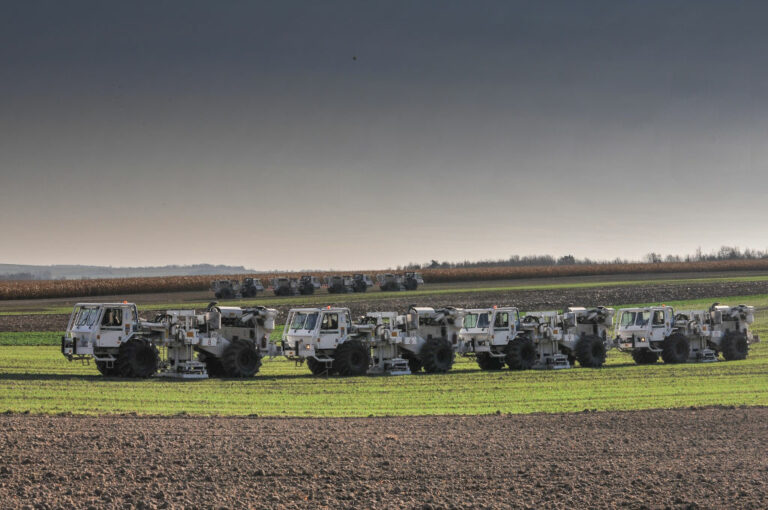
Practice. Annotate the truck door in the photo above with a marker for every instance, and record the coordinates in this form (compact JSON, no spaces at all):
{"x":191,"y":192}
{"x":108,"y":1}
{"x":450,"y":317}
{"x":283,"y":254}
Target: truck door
{"x":659,"y":329}
{"x":329,"y":330}
{"x":501,"y":327}
{"x":111,"y":331}
{"x":669,"y":320}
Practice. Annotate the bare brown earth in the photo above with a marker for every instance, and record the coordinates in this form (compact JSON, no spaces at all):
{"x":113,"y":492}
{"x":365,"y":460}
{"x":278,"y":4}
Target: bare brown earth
{"x":526,"y":300}
{"x":691,"y":458}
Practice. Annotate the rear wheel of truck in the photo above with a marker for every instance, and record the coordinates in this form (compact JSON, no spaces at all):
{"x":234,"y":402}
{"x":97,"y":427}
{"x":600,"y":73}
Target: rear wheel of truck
{"x":521,"y":354}
{"x":137,"y":358}
{"x":241,"y":359}
{"x":437,"y":356}
{"x":734,"y":346}
{"x":487,"y":362}
{"x":645,"y":356}
{"x":352,"y":358}
{"x":675,"y":349}
{"x":590,"y":351}
{"x":212,"y":364}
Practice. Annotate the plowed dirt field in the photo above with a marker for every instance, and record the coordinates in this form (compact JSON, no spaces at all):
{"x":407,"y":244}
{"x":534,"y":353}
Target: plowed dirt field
{"x":691,"y":458}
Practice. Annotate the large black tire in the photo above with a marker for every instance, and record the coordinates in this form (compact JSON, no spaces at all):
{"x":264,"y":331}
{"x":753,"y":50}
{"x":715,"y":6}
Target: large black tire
{"x":101,"y":366}
{"x":212,"y":364}
{"x":487,"y":362}
{"x":137,"y":358}
{"x":217,"y":294}
{"x":359,"y":286}
{"x":436,"y":355}
{"x":352,"y":358}
{"x":319,"y":368}
{"x":734,"y":346}
{"x":241,"y":359}
{"x":411,"y":284}
{"x":521,"y":354}
{"x":675,"y":349}
{"x":306,"y":291}
{"x":590,"y":351}
{"x":645,"y":356}
{"x":414,"y":362}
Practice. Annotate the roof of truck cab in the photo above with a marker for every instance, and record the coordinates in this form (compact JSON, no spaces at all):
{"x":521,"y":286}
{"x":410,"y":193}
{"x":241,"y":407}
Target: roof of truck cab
{"x":483,"y":310}
{"x":323,"y":309}
{"x":105,"y":304}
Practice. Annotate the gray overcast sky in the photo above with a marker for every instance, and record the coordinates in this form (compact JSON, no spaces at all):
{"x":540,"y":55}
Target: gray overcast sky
{"x":233,"y":132}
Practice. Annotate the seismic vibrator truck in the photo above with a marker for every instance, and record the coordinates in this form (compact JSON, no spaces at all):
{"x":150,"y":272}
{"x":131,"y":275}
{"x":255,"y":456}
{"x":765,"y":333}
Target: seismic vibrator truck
{"x":695,"y":335}
{"x":222,"y":341}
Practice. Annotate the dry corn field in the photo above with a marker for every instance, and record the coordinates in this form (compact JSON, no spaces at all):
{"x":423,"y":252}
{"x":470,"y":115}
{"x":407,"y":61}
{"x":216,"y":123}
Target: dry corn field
{"x":35,"y":289}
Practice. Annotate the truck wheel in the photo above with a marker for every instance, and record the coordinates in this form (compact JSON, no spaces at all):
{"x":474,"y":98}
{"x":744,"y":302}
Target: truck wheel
{"x":675,"y":349}
{"x":644,"y":356}
{"x":101,"y":366}
{"x":414,"y":362}
{"x":487,"y":362}
{"x":521,"y":354}
{"x":319,"y":368}
{"x":212,"y":364}
{"x":137,"y":358}
{"x":352,"y":358}
{"x":241,"y":359}
{"x":734,"y":346}
{"x":590,"y":351}
{"x":411,"y":285}
{"x":437,"y":356}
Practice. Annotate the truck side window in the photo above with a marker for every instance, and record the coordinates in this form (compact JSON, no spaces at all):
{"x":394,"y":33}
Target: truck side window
{"x":330,"y":321}
{"x":113,"y":317}
{"x":502,"y":320}
{"x":658,"y":318}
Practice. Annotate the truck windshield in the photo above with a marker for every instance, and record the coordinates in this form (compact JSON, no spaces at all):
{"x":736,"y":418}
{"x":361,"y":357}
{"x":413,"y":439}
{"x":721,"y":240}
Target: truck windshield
{"x":476,"y":320}
{"x":86,"y":316}
{"x":635,"y":318}
{"x":304,"y":321}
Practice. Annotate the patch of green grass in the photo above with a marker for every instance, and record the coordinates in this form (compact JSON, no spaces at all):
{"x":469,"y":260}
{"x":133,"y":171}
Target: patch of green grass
{"x":40,"y":380}
{"x":31,"y":338}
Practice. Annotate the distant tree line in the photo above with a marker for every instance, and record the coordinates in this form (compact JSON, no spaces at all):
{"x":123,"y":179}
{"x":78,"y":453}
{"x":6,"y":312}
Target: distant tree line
{"x":724,"y":253}
{"x":43,"y":275}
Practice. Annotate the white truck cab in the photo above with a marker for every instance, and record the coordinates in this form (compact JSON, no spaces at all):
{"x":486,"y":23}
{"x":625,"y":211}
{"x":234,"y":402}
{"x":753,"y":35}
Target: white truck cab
{"x":94,"y":328}
{"x":327,"y":340}
{"x":649,"y":332}
{"x":487,"y":332}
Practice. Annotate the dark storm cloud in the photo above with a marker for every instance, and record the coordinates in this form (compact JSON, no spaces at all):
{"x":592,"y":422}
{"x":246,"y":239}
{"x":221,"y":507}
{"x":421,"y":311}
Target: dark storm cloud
{"x":444,"y":117}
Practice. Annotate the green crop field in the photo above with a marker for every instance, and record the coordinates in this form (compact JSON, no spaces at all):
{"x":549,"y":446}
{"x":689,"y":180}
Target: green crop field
{"x":38,"y":379}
